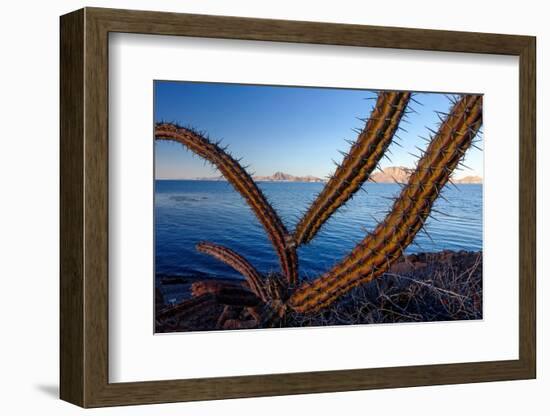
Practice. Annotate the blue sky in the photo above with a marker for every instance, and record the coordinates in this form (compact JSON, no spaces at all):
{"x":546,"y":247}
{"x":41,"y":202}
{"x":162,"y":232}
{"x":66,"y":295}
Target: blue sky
{"x":295,"y":130}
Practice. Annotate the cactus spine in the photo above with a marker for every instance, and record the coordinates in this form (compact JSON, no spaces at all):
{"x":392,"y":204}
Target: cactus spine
{"x":243,"y":183}
{"x":375,"y":254}
{"x":357,"y":165}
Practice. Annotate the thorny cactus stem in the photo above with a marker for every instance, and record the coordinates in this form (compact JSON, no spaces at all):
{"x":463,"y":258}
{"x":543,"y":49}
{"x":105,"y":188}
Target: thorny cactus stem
{"x":237,"y":262}
{"x":239,"y":178}
{"x":375,"y":254}
{"x":357,"y":165}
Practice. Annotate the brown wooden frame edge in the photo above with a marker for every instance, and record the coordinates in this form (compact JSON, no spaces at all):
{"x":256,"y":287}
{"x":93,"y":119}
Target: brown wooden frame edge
{"x":84,"y":207}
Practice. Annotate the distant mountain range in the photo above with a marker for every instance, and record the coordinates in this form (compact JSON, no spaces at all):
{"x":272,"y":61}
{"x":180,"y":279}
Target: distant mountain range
{"x":286,"y":177}
{"x":206,"y":178}
{"x":401,"y":174}
{"x":388,"y":175}
{"x":469,"y":179}
{"x":392,"y":174}
{"x":276,"y":177}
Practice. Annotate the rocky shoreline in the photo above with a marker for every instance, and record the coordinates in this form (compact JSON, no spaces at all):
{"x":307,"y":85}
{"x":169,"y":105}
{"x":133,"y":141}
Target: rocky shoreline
{"x":421,"y":287}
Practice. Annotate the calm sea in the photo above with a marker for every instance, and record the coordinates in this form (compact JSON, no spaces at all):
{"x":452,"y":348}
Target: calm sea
{"x":187,"y":212}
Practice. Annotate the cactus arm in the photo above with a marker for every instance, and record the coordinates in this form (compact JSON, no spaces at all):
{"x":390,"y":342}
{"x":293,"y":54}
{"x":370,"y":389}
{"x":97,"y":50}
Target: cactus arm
{"x":373,"y":256}
{"x":357,"y":165}
{"x":237,"y":262}
{"x":243,"y":183}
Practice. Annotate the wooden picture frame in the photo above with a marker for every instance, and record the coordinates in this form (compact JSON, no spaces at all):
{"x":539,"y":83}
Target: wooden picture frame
{"x":84,"y":207}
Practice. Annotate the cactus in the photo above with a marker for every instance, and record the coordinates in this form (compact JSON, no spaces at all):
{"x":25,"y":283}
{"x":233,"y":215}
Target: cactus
{"x":374,"y":255}
{"x":270,"y":297}
{"x":243,"y":183}
{"x":358,"y":164}
{"x":238,"y":263}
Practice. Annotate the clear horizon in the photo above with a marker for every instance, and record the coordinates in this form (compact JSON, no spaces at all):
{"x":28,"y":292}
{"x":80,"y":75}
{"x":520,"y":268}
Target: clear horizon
{"x":295,"y":130}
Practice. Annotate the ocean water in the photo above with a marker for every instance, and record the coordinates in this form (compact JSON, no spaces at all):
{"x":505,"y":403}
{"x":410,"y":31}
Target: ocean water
{"x":187,"y":212}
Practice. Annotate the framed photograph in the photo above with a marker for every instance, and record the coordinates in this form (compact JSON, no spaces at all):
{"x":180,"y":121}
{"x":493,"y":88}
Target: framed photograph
{"x":255,"y":207}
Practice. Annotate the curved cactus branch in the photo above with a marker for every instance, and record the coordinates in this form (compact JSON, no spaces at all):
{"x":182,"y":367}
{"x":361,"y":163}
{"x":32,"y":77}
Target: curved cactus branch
{"x":239,"y":178}
{"x":357,"y":165}
{"x":238,"y":263}
{"x":375,"y":254}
